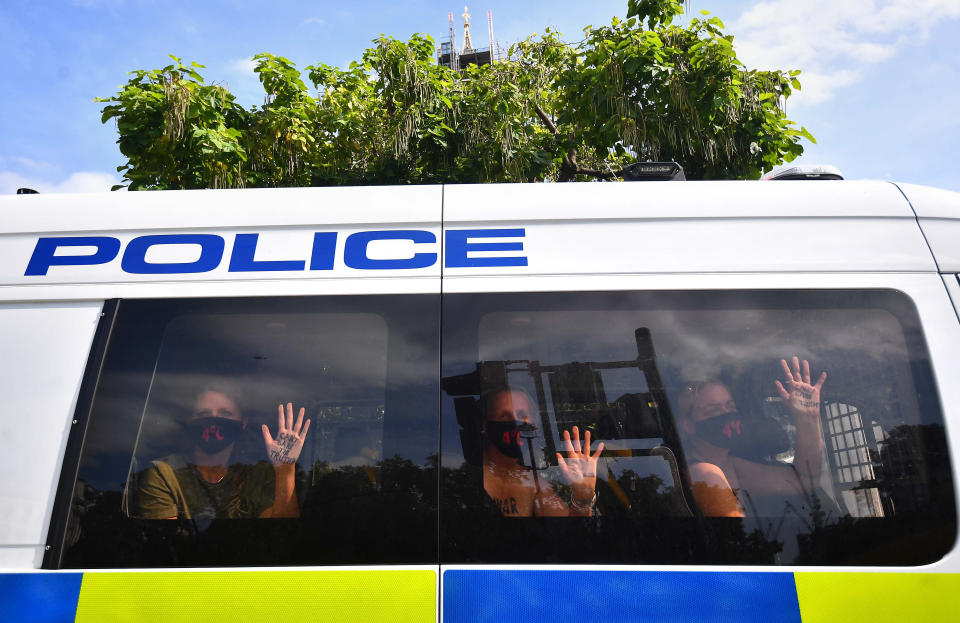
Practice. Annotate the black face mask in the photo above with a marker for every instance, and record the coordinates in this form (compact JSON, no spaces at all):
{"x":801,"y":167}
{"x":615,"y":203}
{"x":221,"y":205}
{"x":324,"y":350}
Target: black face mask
{"x":505,"y":437}
{"x":723,"y":431}
{"x":745,"y":436}
{"x":213,"y":434}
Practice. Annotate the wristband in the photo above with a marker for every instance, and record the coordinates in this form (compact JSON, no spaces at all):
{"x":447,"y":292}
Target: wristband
{"x":574,"y":502}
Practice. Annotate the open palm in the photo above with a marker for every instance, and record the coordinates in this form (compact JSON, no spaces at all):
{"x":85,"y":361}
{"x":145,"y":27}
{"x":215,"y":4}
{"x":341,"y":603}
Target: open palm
{"x":579,"y":469}
{"x":286,"y":446}
{"x":799,"y":395}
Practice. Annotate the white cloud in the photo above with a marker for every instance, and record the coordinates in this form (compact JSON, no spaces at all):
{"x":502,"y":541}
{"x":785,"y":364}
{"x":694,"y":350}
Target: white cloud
{"x":832,"y":40}
{"x":30,"y":163}
{"x":319,"y":21}
{"x":80,"y":182}
{"x":820,"y":87}
{"x":244,"y":82}
{"x":242,"y":65}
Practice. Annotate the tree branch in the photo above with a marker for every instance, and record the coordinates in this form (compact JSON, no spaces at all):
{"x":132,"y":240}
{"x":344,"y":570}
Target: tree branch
{"x":569,"y":169}
{"x":546,"y":120}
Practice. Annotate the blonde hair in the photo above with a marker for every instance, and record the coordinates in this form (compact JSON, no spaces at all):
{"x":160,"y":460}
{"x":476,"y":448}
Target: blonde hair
{"x":688,"y":397}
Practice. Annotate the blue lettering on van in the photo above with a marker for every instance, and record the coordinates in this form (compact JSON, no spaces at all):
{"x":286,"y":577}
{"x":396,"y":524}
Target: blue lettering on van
{"x":135,"y":255}
{"x":324,"y":250}
{"x":45,"y":253}
{"x":459,"y":247}
{"x":244,"y":248}
{"x":355,"y":249}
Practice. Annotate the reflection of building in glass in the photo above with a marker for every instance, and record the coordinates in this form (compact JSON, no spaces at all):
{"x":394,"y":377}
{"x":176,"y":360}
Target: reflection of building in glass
{"x":850,"y":454}
{"x":457,"y":59}
{"x":903,"y":459}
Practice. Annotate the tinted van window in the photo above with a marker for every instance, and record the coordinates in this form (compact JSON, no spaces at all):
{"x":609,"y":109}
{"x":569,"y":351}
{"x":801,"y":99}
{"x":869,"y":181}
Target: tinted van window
{"x":262,"y":432}
{"x":725,"y":427}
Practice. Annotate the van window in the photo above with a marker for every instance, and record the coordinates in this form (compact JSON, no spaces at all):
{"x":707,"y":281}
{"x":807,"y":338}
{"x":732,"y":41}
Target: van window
{"x":196,"y":452}
{"x":723,"y":441}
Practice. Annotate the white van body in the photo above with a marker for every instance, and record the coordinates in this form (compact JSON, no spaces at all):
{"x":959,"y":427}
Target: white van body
{"x":556,"y":238}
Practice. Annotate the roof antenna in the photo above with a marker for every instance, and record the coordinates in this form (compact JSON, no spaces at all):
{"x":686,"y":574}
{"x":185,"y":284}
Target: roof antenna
{"x":467,"y":43}
{"x":493,"y":58}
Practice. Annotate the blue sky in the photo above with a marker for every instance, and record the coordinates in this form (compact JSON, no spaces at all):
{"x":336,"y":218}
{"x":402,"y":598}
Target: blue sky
{"x":881,"y":77}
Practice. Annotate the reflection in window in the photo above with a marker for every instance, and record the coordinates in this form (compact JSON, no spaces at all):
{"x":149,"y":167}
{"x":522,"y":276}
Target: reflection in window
{"x":854,"y":467}
{"x":747,"y":425}
{"x":249,"y":431}
{"x":215,"y":446}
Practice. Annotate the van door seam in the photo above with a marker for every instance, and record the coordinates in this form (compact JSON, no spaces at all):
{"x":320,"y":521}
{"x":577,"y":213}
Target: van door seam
{"x":919,"y":226}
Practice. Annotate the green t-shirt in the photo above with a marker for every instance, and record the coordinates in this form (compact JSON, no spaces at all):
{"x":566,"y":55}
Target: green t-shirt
{"x":171,"y":487}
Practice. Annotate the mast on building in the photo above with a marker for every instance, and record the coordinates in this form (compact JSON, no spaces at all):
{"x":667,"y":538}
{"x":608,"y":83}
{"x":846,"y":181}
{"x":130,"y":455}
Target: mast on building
{"x":448,"y":55}
{"x":493,"y":43}
{"x":467,"y":42}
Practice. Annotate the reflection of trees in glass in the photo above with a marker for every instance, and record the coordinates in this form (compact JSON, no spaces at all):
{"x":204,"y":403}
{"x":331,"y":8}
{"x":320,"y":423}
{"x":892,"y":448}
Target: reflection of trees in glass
{"x":645,"y":495}
{"x":92,"y":538}
{"x":645,"y":529}
{"x":915,"y":475}
{"x":340,"y":413}
{"x":347,"y":518}
{"x":916,"y":487}
{"x":637,"y":522}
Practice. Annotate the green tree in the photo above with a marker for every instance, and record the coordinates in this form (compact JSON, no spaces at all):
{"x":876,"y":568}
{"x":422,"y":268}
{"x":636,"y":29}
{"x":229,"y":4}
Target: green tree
{"x":642,"y":88}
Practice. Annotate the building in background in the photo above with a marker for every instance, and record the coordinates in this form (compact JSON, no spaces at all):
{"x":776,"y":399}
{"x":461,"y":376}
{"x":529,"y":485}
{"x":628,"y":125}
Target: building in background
{"x":450,"y":56}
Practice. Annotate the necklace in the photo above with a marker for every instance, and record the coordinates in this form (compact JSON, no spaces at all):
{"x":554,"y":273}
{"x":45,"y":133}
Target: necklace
{"x":203,"y":478}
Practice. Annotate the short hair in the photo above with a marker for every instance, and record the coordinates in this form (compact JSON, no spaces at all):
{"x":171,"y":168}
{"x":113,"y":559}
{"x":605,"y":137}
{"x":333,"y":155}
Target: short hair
{"x":688,"y":397}
{"x":487,"y":397}
{"x":229,"y":387}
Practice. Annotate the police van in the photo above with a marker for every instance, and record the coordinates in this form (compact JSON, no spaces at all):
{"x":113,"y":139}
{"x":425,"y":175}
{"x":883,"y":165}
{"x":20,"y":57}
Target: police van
{"x":482,"y":403}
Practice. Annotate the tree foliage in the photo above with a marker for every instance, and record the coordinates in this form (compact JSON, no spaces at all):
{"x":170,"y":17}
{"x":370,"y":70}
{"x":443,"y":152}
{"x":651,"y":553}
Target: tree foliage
{"x":642,"y":88}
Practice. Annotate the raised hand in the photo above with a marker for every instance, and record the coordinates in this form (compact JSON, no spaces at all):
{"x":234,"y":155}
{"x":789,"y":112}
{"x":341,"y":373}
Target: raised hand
{"x":579,"y":469}
{"x":285,"y":448}
{"x":799,"y":396}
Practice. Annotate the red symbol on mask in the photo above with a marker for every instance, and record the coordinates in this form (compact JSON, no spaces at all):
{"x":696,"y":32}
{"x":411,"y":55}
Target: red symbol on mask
{"x":213,"y":429}
{"x":731,"y":428}
{"x":512,"y":436}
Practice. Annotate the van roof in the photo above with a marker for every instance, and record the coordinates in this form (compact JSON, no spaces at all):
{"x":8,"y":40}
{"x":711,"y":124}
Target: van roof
{"x":123,"y":211}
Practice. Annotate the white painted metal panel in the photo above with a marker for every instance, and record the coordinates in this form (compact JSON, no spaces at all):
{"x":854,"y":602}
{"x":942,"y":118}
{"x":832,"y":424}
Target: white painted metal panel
{"x":938,"y":212}
{"x":241,"y":287}
{"x":21,"y":558}
{"x":712,"y":246}
{"x":669,"y":227}
{"x":952,"y":283}
{"x":683,"y":200}
{"x":944,"y":238}
{"x":285,"y":222}
{"x":45,"y":348}
{"x":930,"y":202}
{"x":294,"y":245}
{"x":255,"y":207}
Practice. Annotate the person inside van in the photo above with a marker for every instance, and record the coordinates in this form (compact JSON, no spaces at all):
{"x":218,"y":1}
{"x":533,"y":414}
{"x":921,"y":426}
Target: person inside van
{"x":720,"y":479}
{"x":210,"y":481}
{"x":516,"y":489}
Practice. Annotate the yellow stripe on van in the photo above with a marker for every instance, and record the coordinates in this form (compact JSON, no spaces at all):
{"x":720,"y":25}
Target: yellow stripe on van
{"x":361,"y":596}
{"x":878,"y":597}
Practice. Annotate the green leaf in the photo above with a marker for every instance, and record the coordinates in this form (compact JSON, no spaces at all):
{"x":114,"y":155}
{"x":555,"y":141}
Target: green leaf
{"x":393,"y":116}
